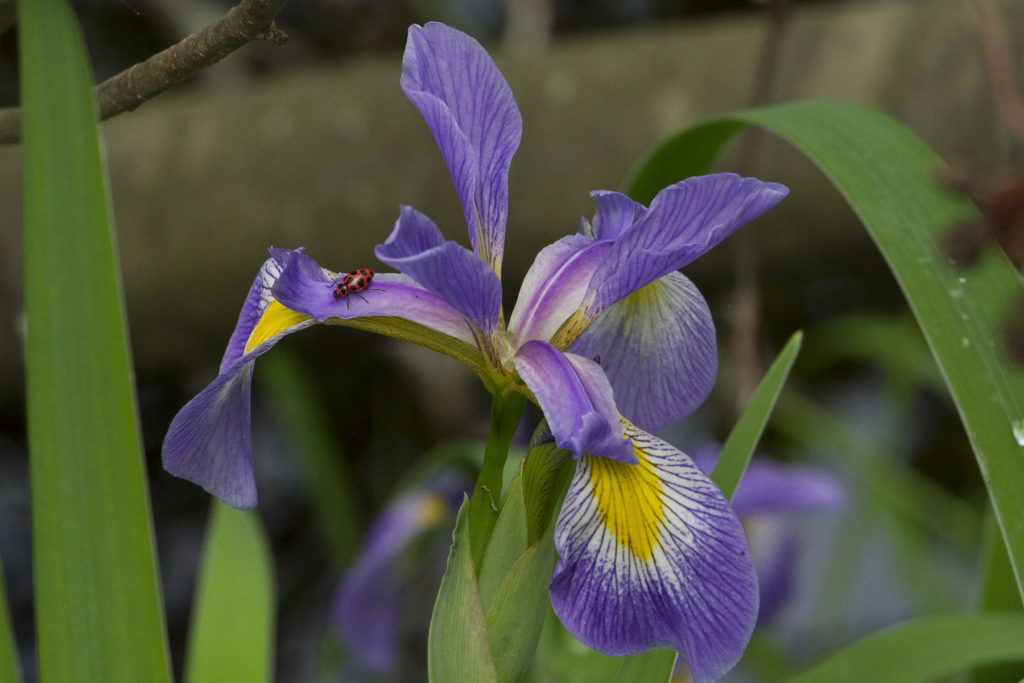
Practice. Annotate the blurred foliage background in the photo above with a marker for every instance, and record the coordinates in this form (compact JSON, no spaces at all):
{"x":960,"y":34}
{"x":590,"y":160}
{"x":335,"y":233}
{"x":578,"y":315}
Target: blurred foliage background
{"x":313,"y":144}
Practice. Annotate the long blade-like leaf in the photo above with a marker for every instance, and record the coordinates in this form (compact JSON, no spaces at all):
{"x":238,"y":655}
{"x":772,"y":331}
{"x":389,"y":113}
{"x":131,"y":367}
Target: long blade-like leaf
{"x":923,"y":650}
{"x":98,"y":606}
{"x":889,"y":177}
{"x":232,"y":636}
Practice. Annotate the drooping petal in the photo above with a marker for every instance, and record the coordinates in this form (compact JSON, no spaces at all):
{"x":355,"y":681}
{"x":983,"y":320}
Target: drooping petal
{"x":684,"y":221}
{"x":445,"y":268}
{"x":651,"y":555}
{"x":554,"y":287}
{"x":470,"y":109}
{"x":657,"y":347}
{"x":209,"y":440}
{"x":576,"y":399}
{"x":616,"y":213}
{"x":306,"y":287}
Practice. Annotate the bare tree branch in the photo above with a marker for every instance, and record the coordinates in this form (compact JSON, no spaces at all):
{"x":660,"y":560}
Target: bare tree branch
{"x":247,"y":21}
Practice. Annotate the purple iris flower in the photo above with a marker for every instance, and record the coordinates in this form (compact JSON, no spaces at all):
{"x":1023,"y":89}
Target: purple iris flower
{"x":370,"y":610}
{"x":606,"y":337}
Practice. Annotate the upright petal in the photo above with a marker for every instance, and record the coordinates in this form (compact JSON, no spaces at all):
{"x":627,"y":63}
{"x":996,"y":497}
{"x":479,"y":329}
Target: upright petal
{"x":616,"y":213}
{"x":470,"y":109}
{"x":554,"y":287}
{"x":651,"y":555}
{"x":447,"y":269}
{"x":685,"y":221}
{"x":657,"y":347}
{"x":209,"y":440}
{"x":576,"y":399}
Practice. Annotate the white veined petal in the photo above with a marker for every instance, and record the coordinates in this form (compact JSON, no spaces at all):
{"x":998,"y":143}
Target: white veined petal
{"x":652,"y":555}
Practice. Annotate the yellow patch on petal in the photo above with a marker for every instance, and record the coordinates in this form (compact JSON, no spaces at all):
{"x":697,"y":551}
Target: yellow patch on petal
{"x":277,"y":318}
{"x":629,"y":498}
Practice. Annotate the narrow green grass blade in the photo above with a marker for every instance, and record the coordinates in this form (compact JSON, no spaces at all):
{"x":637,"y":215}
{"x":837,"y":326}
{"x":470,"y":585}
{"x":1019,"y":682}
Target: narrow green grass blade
{"x":98,"y":605}
{"x":232,"y":632}
{"x":10,"y":670}
{"x":743,"y":438}
{"x":888,"y":176}
{"x":923,"y":650}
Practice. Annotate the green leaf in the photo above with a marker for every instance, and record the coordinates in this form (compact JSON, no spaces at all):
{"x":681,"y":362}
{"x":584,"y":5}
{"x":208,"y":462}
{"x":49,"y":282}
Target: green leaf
{"x":888,"y":176}
{"x":923,"y":650}
{"x":507,"y":544}
{"x":458,"y":648}
{"x":232,"y":632}
{"x":743,"y":438}
{"x":98,"y":606}
{"x":516,"y":613}
{"x":9,"y":667}
{"x":997,"y":592}
{"x":520,"y":559}
{"x":656,"y":665}
{"x":547,"y":472}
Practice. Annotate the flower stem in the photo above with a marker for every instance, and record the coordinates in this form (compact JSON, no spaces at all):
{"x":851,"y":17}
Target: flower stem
{"x":506,"y":412}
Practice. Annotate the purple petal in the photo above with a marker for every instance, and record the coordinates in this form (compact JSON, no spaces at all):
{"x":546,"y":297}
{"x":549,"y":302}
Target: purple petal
{"x":657,"y":347}
{"x":470,"y":109}
{"x":257,"y":301}
{"x":554,"y":287}
{"x":685,"y":221}
{"x":651,"y":555}
{"x":306,"y":287}
{"x":369,"y":609}
{"x":209,"y":441}
{"x":447,"y":269}
{"x":616,"y":213}
{"x":769,"y":487}
{"x":576,"y":399}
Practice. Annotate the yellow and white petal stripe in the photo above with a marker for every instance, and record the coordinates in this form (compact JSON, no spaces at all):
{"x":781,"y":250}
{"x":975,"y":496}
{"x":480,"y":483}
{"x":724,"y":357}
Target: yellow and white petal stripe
{"x":262,"y":317}
{"x":277,"y":320}
{"x":652,"y":555}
